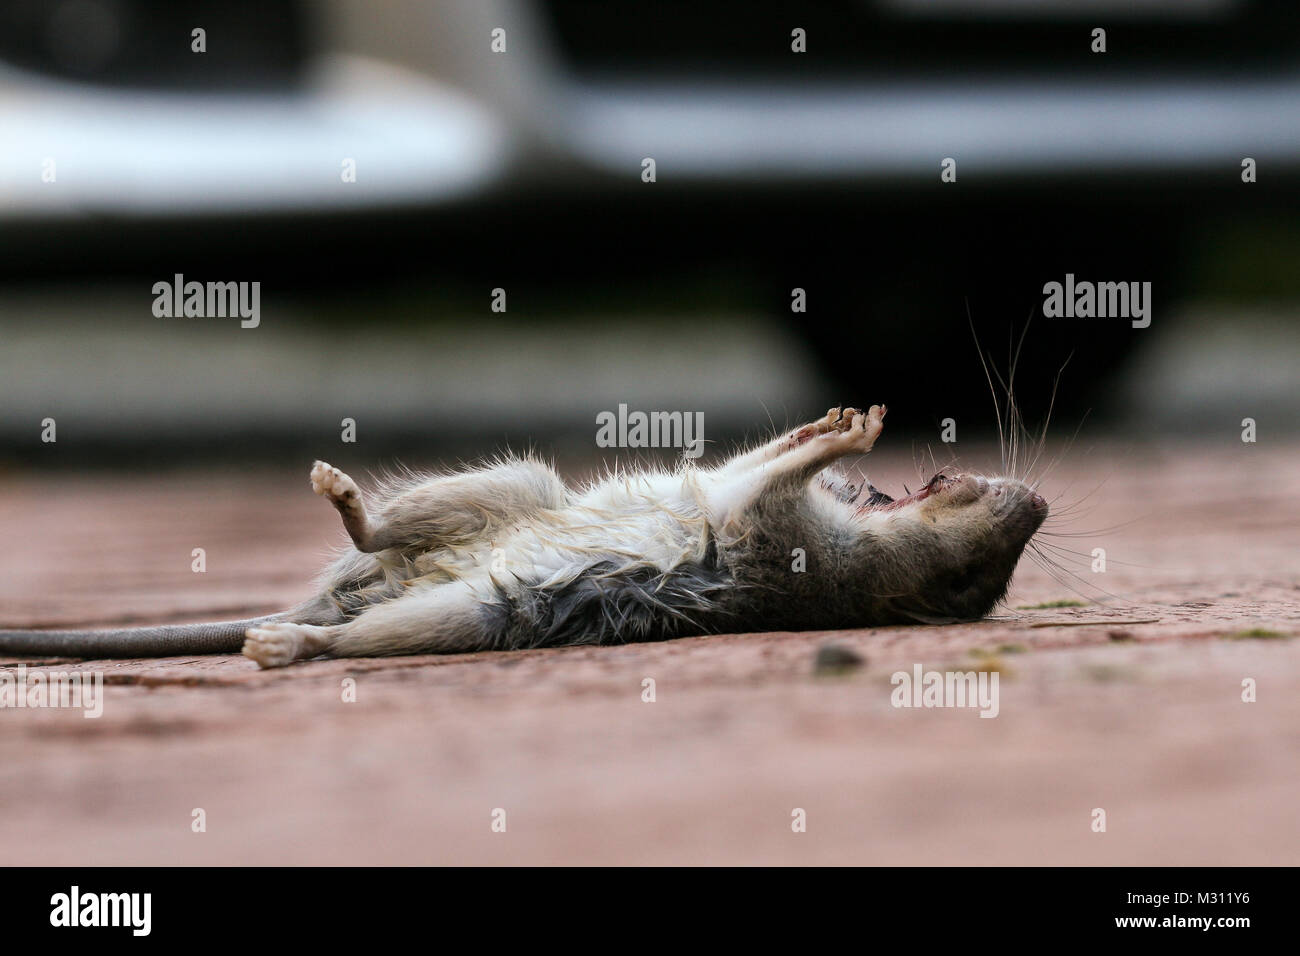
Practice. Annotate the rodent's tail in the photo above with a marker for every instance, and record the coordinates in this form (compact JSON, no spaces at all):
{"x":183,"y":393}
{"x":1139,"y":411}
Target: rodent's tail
{"x":167,"y":640}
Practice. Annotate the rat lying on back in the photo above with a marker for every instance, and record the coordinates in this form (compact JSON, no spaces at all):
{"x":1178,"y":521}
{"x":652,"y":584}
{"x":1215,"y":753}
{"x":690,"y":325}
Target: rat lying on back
{"x":507,"y":557}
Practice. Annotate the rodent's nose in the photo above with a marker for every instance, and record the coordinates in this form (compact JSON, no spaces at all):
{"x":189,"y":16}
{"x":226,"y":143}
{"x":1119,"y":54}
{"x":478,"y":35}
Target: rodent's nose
{"x":1038,"y":502}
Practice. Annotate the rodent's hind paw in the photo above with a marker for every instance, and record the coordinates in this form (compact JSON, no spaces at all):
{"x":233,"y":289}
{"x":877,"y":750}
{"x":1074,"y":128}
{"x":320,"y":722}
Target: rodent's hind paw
{"x":328,"y":480}
{"x":281,"y":643}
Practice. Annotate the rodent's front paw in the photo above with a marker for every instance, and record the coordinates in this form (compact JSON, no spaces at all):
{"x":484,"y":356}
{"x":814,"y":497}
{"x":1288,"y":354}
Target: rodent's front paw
{"x":838,"y":419}
{"x":863,"y":429}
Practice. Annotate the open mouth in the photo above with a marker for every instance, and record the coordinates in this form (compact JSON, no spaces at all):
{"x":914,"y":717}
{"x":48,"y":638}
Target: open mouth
{"x":1012,"y":496}
{"x":879,"y":501}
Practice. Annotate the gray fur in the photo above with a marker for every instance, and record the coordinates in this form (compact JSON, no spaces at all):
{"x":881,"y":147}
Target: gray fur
{"x":608,"y":604}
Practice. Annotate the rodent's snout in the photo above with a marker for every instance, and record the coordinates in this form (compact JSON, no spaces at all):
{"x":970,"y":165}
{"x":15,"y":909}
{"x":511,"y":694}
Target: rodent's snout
{"x":1009,"y":497}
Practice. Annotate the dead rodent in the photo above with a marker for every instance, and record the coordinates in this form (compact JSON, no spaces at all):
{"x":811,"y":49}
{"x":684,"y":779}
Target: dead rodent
{"x":506,"y":556}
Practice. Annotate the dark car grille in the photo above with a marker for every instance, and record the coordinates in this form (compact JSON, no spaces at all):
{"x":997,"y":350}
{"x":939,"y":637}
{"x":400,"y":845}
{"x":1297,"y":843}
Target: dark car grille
{"x":889,"y":37}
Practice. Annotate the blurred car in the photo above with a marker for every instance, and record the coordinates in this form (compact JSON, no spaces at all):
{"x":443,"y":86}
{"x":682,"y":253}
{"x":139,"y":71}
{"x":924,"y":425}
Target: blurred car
{"x":887,"y":88}
{"x":517,"y":129}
